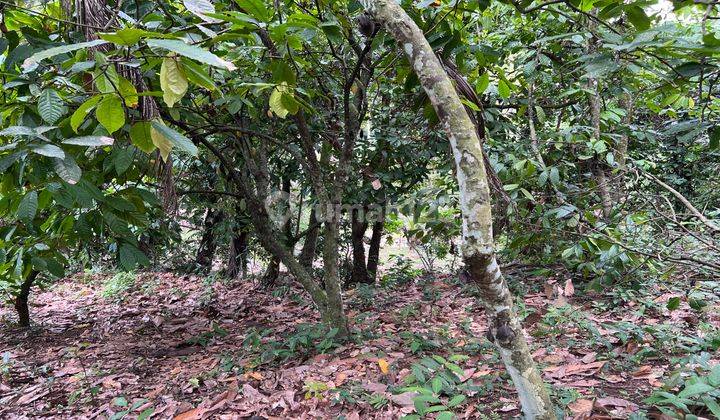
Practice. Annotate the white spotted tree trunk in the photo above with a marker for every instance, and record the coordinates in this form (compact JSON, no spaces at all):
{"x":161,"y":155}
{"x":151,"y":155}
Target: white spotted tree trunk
{"x":477,"y":245}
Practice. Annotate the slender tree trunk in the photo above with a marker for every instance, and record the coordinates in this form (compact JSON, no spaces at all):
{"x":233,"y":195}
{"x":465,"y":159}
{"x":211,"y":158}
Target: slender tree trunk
{"x":374,"y":250}
{"x":21,"y":301}
{"x":237,"y":260}
{"x":307,"y":254}
{"x":208,"y":242}
{"x":358,"y":226}
{"x":477,"y":247}
{"x":596,"y":165}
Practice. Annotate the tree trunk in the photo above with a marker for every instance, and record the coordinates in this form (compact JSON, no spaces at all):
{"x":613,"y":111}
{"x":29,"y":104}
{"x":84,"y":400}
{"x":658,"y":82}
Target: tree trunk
{"x":307,"y":254}
{"x":21,"y":301}
{"x":208,"y":244}
{"x":237,"y":260}
{"x":374,"y":251}
{"x":477,"y":246}
{"x":358,"y":227}
{"x":596,"y":165}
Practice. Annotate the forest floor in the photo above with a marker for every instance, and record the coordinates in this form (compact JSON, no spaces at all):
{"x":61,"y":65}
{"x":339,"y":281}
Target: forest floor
{"x":162,"y":345}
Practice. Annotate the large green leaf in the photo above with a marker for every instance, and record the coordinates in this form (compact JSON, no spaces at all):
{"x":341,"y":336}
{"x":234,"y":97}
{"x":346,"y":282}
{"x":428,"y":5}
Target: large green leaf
{"x":51,"y":52}
{"x":141,"y":136}
{"x":126,"y":36}
{"x":197,"y":74}
{"x":636,"y":15}
{"x":177,"y":139}
{"x":255,"y":8}
{"x":191,"y":51}
{"x":68,"y":170}
{"x":48,"y":150}
{"x":110,"y":113}
{"x":131,"y":257}
{"x":28,"y":206}
{"x":93,"y":141}
{"x":201,"y":8}
{"x":18,"y":130}
{"x":50,"y":106}
{"x":77,"y":118}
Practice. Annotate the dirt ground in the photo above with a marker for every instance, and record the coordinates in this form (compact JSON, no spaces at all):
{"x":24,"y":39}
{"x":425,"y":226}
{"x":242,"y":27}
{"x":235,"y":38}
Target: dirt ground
{"x":185,"y":347}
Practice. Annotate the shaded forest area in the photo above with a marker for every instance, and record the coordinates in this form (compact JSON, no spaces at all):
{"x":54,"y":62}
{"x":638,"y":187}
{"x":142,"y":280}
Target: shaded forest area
{"x":359,"y":209}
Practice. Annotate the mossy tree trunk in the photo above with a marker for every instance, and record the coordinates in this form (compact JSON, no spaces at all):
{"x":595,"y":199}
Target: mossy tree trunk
{"x":477,"y":246}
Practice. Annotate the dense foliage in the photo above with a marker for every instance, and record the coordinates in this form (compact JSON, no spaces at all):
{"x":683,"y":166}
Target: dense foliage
{"x":291,"y":130}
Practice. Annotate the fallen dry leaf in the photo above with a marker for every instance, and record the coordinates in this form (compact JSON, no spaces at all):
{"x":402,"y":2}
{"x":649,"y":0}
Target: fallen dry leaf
{"x":581,"y":407}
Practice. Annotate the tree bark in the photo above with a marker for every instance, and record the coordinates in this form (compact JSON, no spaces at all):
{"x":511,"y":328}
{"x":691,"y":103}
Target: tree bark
{"x":477,"y":245}
{"x":237,"y":260}
{"x":208,"y":243}
{"x":307,"y":254}
{"x":21,"y":301}
{"x":358,"y":226}
{"x":374,"y":250}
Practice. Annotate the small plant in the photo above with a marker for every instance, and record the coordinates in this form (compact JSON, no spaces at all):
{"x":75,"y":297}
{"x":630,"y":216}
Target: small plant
{"x":698,"y":395}
{"x":207,"y":337}
{"x":437,"y":382}
{"x":378,"y":401}
{"x":127,"y":408}
{"x":314,"y":389}
{"x":366,"y":295}
{"x":400,"y":273}
{"x":118,"y":285}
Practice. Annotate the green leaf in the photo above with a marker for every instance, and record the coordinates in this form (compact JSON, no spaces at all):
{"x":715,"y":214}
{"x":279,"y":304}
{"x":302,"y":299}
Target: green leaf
{"x":201,"y":8}
{"x":51,"y":52}
{"x":93,"y":141}
{"x":696,"y":389}
{"x":482,"y":83}
{"x":28,"y":207}
{"x":131,"y":257}
{"x":191,"y":51}
{"x":673,"y":303}
{"x":49,"y":150}
{"x":77,"y":118}
{"x":110,"y":113}
{"x":636,"y":15}
{"x":436,"y":384}
{"x":146,"y":413}
{"x":281,"y":72}
{"x":50,"y":106}
{"x":172,"y":81}
{"x":18,"y":130}
{"x":122,"y":158}
{"x":141,"y":136}
{"x":445,"y":415}
{"x":503,"y":89}
{"x":197,"y":74}
{"x":68,"y":170}
{"x":255,"y":8}
{"x":128,"y":92}
{"x":712,"y":405}
{"x":456,"y":400}
{"x":177,"y":139}
{"x":126,"y":36}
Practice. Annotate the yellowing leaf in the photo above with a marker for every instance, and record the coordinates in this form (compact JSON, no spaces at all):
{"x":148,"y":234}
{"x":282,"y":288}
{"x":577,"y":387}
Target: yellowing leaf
{"x":276,"y":103}
{"x":162,"y":143}
{"x":173,"y":81}
{"x":384,"y":366}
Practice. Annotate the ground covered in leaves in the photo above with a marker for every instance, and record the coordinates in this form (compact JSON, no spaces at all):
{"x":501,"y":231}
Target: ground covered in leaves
{"x":162,"y":345}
